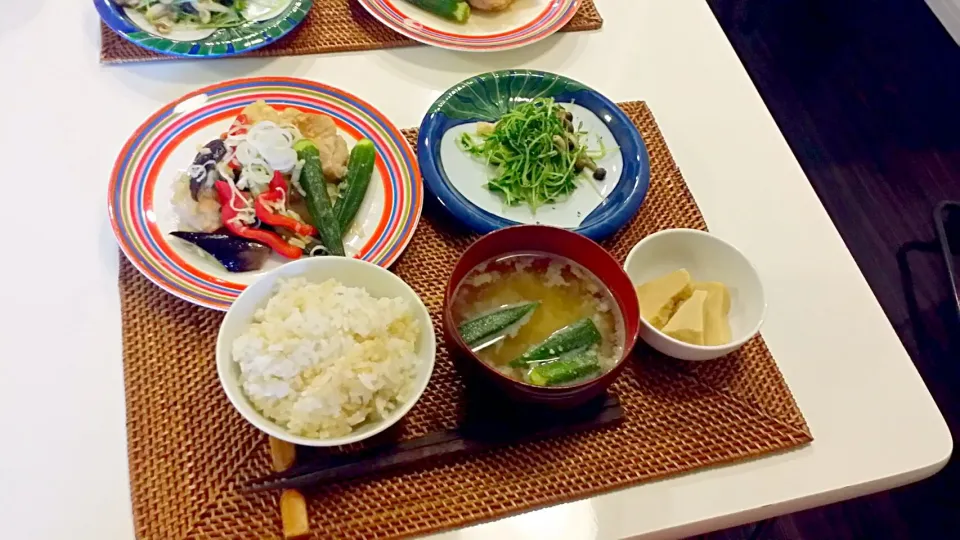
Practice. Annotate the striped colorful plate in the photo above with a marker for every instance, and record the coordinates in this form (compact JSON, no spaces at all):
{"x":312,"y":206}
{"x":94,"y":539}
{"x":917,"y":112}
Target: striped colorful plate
{"x":141,"y":181}
{"x":523,"y":23}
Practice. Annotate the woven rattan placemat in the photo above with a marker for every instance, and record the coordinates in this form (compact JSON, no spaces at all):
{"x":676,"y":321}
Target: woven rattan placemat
{"x":189,"y":451}
{"x":330,"y":26}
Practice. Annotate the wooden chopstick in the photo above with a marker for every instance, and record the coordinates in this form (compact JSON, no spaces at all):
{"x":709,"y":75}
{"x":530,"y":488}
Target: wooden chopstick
{"x":293,"y":507}
{"x":429,"y":448}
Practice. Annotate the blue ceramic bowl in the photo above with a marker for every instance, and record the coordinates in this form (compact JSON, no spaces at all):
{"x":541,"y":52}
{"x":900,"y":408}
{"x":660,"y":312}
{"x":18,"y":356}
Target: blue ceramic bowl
{"x":217,"y":43}
{"x":485,"y":98}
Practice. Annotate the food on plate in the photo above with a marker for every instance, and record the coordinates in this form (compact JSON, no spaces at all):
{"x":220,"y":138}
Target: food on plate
{"x":262,"y":181}
{"x":269,"y":207}
{"x":491,"y":5}
{"x":659,"y":297}
{"x":318,"y":200}
{"x":573,"y":337}
{"x":232,"y":212}
{"x":200,"y":213}
{"x":488,"y":328}
{"x":539,"y":318}
{"x":355,"y":183}
{"x":319,"y":128}
{"x":235,"y":254}
{"x":537,"y":151}
{"x":205,"y":165}
{"x":168,"y":15}
{"x":321,"y":359}
{"x":454,"y":10}
{"x":459,"y":10}
{"x":686,"y":310}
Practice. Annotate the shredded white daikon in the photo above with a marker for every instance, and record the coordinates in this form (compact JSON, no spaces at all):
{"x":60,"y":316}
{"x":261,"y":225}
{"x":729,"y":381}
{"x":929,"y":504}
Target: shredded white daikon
{"x":264,"y":148}
{"x":211,"y":175}
{"x":260,"y":150}
{"x":245,"y":214}
{"x":224,"y":167}
{"x":294,"y":241}
{"x":194,"y":170}
{"x":295,"y":178}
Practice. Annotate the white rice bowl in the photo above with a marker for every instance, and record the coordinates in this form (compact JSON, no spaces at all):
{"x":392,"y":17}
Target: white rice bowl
{"x":321,"y":358}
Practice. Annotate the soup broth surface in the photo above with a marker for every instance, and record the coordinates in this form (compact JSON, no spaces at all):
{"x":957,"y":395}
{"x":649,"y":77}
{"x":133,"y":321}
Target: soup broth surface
{"x":567,"y":293}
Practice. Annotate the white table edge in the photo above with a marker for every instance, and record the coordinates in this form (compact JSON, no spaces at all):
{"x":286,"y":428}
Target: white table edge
{"x":806,"y":502}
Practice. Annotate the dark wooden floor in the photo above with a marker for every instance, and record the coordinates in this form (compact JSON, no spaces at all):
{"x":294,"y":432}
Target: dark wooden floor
{"x":867,"y":94}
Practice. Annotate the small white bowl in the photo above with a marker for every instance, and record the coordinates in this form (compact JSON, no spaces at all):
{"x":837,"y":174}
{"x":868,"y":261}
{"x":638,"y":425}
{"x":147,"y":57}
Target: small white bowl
{"x":707,"y":258}
{"x":378,"y":281}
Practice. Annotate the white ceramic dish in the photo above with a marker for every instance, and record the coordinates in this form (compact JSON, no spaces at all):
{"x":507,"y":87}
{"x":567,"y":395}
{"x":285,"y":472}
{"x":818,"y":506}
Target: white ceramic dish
{"x":353,"y":273}
{"x":707,"y":258}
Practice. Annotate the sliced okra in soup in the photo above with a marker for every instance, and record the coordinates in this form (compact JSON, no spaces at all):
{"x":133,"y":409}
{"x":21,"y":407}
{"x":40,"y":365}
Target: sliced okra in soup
{"x":566,"y":369}
{"x":577,"y":336}
{"x":492,"y":326}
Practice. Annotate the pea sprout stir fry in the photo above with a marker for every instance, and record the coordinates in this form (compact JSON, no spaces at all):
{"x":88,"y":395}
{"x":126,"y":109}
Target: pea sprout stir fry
{"x":537,"y":151}
{"x":166,"y":15}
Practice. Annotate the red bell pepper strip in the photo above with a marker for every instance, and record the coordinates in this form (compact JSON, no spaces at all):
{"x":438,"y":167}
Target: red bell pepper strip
{"x":236,"y":128}
{"x":278,"y":193}
{"x":229,"y":200}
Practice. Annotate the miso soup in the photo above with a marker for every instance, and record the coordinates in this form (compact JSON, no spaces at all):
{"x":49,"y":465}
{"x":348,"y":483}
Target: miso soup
{"x":540,"y":319}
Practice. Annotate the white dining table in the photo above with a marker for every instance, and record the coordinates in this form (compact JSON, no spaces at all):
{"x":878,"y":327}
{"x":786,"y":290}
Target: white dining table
{"x":63,"y":466}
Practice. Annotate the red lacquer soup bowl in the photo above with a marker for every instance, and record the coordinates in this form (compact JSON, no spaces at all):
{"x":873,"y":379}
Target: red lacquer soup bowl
{"x":550,"y":241}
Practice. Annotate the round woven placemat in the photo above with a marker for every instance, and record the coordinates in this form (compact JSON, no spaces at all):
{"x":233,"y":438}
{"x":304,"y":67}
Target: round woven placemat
{"x":189,"y":451}
{"x":330,"y":26}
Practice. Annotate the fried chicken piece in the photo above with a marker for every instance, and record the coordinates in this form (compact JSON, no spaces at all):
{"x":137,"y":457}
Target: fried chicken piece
{"x":333,"y":149}
{"x":261,"y":111}
{"x":319,"y":128}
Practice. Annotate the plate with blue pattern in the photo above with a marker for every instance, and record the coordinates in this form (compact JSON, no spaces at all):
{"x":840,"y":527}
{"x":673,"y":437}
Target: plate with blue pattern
{"x":465,"y":184}
{"x":261,"y":23}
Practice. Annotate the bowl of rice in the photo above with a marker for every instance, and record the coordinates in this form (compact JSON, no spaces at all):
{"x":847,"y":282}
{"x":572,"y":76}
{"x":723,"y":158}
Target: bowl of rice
{"x":325,"y":351}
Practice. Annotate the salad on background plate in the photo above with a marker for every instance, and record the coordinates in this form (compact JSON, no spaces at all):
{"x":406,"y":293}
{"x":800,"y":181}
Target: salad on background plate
{"x":202,"y":28}
{"x":275,"y":180}
{"x":167,"y":15}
